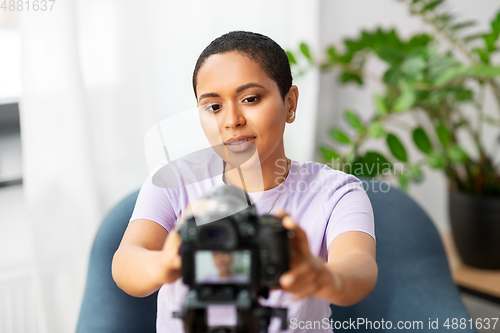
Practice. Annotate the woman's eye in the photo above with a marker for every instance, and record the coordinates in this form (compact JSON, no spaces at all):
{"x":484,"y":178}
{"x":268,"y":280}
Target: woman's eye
{"x":251,"y":99}
{"x":213,"y":107}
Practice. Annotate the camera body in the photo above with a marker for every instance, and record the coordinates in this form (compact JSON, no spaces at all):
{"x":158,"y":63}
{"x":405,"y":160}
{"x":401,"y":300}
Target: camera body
{"x":231,"y":255}
{"x":261,"y":241}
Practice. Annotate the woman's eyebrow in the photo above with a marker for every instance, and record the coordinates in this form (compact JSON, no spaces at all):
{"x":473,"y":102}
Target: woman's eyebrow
{"x":208,"y":95}
{"x":249,"y":85}
{"x":239,"y":89}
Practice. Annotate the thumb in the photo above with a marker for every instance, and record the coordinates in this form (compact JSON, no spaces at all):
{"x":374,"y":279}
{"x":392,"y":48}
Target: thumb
{"x":299,"y":240}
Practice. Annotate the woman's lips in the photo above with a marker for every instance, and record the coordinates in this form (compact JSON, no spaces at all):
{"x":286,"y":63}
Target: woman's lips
{"x":240,"y":146}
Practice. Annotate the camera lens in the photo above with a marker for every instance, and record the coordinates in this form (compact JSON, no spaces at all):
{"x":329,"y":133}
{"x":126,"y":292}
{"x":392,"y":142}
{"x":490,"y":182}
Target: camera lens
{"x":216,"y":234}
{"x":219,"y":235}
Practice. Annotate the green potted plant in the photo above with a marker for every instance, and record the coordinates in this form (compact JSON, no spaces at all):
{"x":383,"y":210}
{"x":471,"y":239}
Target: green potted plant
{"x":435,"y":80}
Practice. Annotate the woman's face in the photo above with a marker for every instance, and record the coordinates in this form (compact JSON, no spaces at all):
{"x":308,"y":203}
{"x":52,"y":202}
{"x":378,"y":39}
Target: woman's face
{"x":238,"y":101}
{"x":223,"y":261}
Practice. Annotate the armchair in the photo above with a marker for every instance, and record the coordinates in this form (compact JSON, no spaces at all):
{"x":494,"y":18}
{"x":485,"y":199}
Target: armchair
{"x":414,"y":282}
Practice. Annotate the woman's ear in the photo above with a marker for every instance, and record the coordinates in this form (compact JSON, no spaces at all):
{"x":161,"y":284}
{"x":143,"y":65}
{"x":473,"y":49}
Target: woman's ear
{"x":291,"y":102}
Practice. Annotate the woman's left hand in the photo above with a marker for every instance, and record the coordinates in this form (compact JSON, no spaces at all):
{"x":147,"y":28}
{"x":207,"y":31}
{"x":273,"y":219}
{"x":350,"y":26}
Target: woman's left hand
{"x":308,"y":275}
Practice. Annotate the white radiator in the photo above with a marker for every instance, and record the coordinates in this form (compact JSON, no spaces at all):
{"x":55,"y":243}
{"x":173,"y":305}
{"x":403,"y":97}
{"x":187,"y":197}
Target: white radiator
{"x":18,"y":301}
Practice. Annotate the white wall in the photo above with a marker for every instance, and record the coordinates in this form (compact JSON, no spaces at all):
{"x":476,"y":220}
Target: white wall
{"x":173,"y":36}
{"x":343,"y":19}
{"x":96,"y":75}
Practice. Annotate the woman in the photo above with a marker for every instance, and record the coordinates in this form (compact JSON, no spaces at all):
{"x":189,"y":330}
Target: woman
{"x":223,"y":263}
{"x":243,"y":85}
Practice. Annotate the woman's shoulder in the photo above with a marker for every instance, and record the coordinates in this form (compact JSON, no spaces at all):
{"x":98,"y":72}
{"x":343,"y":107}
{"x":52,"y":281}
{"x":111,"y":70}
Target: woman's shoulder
{"x":312,"y":170}
{"x":328,"y":178}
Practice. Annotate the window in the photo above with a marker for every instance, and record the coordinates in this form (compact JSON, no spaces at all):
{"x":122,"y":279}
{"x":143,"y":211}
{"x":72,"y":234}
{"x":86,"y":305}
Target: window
{"x":10,"y":91}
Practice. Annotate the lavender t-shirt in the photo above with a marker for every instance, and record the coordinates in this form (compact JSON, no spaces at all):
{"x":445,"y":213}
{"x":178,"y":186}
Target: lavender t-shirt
{"x":324,"y":202}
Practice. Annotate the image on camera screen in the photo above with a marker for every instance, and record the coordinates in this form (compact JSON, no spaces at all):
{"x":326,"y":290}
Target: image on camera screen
{"x":222,"y":267}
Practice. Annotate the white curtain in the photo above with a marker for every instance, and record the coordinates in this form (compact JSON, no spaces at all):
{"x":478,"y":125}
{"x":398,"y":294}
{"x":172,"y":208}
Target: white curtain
{"x":97,"y":74}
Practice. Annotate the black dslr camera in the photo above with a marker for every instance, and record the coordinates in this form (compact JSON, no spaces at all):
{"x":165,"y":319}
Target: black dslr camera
{"x":230,"y":256}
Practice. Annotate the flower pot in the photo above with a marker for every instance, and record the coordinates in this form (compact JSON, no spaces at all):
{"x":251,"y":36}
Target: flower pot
{"x":475,"y":226}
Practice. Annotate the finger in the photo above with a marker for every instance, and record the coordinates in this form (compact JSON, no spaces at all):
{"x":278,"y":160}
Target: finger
{"x":280,"y":213}
{"x":327,"y":283}
{"x":295,"y":276}
{"x":299,"y":241}
{"x":321,"y":285}
{"x":173,"y":241}
{"x":175,"y":261}
{"x":171,"y":252}
{"x":306,"y":290}
{"x":302,"y":281}
{"x":174,"y":271}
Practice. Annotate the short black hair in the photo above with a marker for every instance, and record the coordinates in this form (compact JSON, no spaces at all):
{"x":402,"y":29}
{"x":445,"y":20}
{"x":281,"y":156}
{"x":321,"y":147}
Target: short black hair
{"x":261,"y":49}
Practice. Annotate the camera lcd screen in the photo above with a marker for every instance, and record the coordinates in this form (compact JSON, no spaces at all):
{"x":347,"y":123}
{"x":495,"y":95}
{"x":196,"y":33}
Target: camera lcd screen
{"x":223,"y":267}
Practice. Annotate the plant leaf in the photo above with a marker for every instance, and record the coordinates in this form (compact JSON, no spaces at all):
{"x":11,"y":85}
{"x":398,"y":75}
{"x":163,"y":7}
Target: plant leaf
{"x":436,"y":160}
{"x":471,"y":38}
{"x":483,"y":54}
{"x":404,"y":181}
{"x":462,"y":25}
{"x":485,"y":70}
{"x":334,"y":57}
{"x":396,"y":147}
{"x":305,"y":51}
{"x":339,"y":136}
{"x":353,"y":46}
{"x":375,"y":129}
{"x":444,"y":18}
{"x":291,"y":58}
{"x":418,"y":41}
{"x":438,"y":64}
{"x":451,"y":74}
{"x":346,"y":77}
{"x":463,"y":71}
{"x":380,"y":105}
{"x":374,"y":163}
{"x":443,"y":134}
{"x":413,"y":68}
{"x":329,"y":154}
{"x":422,"y":140}
{"x":406,"y":100}
{"x":495,"y":24}
{"x":353,"y":120}
{"x":431,"y":5}
{"x":461,"y":93}
{"x":416,"y":173}
{"x":391,"y":55}
{"x":457,"y":154}
{"x":392,"y":76}
{"x":490,"y":40}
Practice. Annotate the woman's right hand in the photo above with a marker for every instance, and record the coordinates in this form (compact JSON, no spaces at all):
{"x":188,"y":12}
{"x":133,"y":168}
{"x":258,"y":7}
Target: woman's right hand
{"x":171,"y":267}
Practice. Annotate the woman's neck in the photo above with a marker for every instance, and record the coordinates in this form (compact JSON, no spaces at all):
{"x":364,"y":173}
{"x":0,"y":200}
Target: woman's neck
{"x":271,"y":173}
{"x":225,"y":274}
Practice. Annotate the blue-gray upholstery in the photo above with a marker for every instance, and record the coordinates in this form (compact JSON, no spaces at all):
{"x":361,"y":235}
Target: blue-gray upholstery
{"x":105,"y":307}
{"x":414,"y":281}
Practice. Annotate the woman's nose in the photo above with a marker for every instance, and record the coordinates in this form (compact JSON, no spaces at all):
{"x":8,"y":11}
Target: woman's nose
{"x":234,"y":117}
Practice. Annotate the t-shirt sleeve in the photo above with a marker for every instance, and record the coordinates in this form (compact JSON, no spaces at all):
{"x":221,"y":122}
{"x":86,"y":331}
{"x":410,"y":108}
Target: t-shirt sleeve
{"x":348,"y":208}
{"x":157,"y":204}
